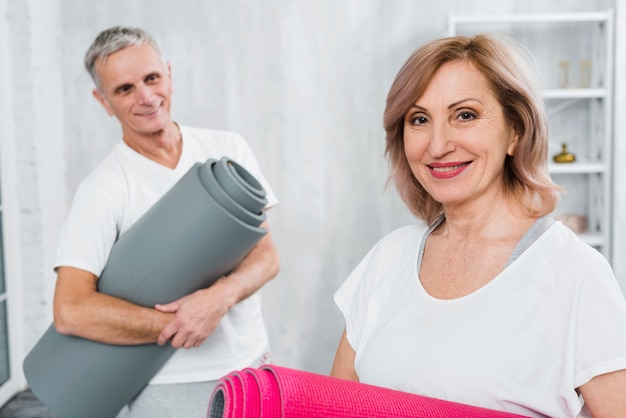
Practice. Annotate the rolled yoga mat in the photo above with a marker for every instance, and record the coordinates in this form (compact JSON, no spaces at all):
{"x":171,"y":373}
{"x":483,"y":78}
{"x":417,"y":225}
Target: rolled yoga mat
{"x":279,"y":392}
{"x":195,"y":234}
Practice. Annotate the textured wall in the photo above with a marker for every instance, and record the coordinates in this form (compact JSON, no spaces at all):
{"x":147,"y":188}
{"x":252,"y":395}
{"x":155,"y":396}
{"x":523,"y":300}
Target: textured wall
{"x":34,"y":88}
{"x":303,"y":81}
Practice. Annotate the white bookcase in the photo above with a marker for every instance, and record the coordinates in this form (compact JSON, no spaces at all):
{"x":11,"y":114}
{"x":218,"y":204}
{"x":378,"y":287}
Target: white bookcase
{"x":574,"y":54}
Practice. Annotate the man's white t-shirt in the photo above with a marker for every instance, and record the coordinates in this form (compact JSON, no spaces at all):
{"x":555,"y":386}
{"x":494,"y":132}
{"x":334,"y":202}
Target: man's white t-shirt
{"x":549,"y":322}
{"x":123,"y":186}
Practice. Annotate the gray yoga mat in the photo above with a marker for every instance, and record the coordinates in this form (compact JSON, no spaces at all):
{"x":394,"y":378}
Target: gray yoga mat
{"x":196,"y":233}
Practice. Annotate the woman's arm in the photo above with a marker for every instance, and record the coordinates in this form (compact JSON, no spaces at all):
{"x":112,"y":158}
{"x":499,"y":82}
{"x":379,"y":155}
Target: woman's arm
{"x":605,"y":395}
{"x":343,"y":366}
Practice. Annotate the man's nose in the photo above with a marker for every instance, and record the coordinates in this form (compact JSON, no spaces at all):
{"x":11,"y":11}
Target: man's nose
{"x":144,"y":95}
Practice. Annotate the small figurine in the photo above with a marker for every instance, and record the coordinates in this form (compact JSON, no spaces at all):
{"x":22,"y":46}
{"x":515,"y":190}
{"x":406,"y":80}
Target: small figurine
{"x":565,"y":156}
{"x":585,"y":73}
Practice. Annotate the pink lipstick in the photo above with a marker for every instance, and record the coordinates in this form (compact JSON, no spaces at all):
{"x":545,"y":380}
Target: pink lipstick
{"x":447,"y":170}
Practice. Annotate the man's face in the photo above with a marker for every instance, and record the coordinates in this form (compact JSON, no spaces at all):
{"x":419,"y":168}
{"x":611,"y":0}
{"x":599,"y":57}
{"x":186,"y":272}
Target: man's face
{"x":136,"y":88}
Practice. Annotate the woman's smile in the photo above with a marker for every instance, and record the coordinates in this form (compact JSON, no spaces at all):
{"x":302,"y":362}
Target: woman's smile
{"x":447,"y":170}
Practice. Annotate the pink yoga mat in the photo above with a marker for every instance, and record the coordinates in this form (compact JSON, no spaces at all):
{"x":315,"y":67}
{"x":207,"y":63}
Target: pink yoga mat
{"x":272,"y":392}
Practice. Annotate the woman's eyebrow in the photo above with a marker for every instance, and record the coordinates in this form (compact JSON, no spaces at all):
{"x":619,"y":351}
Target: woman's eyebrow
{"x":458,"y":102}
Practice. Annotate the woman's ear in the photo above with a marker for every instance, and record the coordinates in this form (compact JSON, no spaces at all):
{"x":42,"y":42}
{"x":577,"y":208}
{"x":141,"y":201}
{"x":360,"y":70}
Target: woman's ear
{"x":513,"y":145}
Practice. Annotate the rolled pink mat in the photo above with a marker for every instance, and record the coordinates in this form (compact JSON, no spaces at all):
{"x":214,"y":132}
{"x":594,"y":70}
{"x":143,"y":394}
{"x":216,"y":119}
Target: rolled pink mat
{"x":273,"y":391}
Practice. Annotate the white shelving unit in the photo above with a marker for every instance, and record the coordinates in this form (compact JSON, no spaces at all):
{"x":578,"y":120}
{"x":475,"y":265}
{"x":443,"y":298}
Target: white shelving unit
{"x":579,"y":103}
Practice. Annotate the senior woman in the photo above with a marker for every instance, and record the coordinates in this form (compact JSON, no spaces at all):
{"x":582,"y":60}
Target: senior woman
{"x":489,"y":302}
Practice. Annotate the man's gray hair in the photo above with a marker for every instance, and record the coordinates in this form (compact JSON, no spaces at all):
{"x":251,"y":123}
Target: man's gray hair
{"x":114,"y":39}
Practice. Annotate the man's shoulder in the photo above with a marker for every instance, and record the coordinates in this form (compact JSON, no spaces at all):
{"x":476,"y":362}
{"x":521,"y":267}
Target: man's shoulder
{"x":107,"y":173}
{"x":215,"y":143}
{"x":203,"y":134}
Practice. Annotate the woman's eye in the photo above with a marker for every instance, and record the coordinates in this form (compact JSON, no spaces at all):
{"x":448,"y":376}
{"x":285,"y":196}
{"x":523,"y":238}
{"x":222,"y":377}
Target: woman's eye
{"x":419,"y":120}
{"x":466,"y":115}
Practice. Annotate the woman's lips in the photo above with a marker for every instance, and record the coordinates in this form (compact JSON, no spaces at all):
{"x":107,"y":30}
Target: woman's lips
{"x":448,"y":170}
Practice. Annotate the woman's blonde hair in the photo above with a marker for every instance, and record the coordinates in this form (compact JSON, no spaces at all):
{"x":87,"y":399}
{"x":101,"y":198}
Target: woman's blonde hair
{"x":508,"y":70}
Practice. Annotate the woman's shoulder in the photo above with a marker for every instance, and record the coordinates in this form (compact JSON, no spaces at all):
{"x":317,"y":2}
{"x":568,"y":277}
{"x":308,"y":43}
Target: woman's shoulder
{"x":406,"y":236}
{"x":417,"y":228}
{"x":566,"y":242}
{"x":563,"y":252}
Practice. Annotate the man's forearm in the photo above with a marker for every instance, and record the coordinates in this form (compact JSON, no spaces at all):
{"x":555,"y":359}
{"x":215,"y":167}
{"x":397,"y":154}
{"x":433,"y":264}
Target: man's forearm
{"x":80,"y":310}
{"x":258,"y":267}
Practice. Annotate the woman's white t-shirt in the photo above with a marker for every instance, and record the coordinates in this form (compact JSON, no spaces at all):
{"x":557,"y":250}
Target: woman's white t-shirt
{"x":123,"y":186}
{"x":548,"y":323}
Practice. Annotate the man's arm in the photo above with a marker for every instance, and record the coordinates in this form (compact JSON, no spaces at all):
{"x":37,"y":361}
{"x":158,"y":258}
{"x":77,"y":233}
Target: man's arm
{"x":197,"y":315}
{"x":80,"y":310}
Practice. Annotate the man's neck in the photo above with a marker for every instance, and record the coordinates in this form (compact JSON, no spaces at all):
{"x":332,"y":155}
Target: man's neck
{"x":164,"y":147}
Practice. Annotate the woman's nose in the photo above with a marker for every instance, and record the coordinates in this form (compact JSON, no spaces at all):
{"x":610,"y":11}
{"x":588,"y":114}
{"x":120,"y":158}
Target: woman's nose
{"x":441,"y":141}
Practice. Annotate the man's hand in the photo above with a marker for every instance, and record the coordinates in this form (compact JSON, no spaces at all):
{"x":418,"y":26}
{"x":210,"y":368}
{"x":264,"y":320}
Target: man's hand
{"x":197,"y":315}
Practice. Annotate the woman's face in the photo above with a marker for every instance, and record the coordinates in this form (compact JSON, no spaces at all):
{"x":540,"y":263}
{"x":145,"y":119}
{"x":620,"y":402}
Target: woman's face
{"x":456,"y":138}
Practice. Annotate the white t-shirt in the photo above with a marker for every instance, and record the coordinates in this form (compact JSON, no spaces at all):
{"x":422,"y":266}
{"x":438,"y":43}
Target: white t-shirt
{"x":548,"y":323}
{"x":123,"y":186}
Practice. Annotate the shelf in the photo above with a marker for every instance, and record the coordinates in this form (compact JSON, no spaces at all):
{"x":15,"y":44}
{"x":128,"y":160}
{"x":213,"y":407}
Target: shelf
{"x":532,"y":18}
{"x":576,"y":168}
{"x":576,"y":93}
{"x":579,"y":116}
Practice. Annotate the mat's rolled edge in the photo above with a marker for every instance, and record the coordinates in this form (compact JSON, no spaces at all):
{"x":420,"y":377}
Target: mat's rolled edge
{"x":279,"y":393}
{"x":240,"y":185}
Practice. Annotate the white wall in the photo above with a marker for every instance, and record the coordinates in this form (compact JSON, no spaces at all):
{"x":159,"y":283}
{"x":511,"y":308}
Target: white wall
{"x":35,"y":176}
{"x":10,"y":230}
{"x":303,"y":81}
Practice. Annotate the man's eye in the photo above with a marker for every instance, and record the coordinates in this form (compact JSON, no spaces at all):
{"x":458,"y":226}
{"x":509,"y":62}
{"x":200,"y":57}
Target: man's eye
{"x":123,"y":89}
